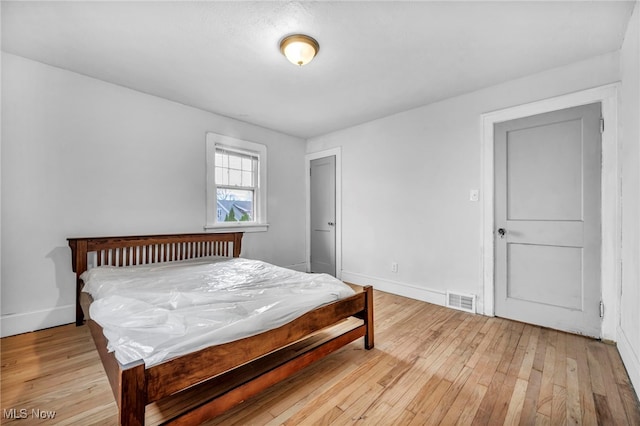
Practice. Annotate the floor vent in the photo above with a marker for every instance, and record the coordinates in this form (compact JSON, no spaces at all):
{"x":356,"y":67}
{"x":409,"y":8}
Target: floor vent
{"x":463,"y":302}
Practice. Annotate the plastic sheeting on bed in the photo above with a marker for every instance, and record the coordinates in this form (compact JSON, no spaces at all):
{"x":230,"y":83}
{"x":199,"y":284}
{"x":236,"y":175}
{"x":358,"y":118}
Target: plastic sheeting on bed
{"x":157,"y":312}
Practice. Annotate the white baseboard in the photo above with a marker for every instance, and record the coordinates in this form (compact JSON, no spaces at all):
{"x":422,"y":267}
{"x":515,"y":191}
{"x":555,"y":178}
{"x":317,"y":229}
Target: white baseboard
{"x":629,"y":359}
{"x":436,"y":297}
{"x":30,"y":321}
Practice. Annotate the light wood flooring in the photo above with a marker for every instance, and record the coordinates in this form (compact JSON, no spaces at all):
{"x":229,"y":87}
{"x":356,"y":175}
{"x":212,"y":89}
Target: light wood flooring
{"x":431,"y":365}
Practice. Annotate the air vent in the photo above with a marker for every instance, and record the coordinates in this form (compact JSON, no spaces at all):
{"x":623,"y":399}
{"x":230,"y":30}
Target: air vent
{"x":463,"y":302}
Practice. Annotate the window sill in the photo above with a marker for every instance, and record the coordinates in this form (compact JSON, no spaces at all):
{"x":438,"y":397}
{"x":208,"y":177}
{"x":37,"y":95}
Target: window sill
{"x":235,"y":227}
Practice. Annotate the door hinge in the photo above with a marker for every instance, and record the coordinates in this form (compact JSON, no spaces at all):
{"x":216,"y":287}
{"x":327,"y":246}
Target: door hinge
{"x":601,"y":309}
{"x":601,"y":125}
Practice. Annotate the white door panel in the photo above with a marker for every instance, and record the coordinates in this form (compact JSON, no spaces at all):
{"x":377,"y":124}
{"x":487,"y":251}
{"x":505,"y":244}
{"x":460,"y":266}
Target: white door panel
{"x":550,"y":275}
{"x":544,"y":172}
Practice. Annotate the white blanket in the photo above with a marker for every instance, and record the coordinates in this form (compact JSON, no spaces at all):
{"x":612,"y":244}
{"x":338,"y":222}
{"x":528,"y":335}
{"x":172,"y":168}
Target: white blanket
{"x":157,"y":312}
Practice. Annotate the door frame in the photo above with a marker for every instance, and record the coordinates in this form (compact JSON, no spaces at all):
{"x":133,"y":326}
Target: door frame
{"x":610,"y":199}
{"x":337,"y":152}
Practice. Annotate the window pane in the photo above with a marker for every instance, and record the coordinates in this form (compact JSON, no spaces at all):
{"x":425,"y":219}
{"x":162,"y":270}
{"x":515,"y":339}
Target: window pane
{"x":235,"y":177}
{"x":247,"y":164}
{"x":220,"y":176}
{"x":235,"y":169}
{"x":247,"y":179}
{"x":222,"y":160}
{"x":235,"y":162}
{"x":235,"y":205}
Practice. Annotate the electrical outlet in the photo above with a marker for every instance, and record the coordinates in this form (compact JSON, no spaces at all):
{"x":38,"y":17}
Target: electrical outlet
{"x":394,"y":267}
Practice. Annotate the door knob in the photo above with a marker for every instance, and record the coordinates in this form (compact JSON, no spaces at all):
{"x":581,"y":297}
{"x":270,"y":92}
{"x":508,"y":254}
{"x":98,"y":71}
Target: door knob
{"x":331,"y":223}
{"x":501,"y":232}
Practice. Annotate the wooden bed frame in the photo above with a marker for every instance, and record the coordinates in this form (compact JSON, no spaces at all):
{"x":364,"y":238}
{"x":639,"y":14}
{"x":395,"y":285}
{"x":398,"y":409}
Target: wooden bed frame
{"x":229,"y":373}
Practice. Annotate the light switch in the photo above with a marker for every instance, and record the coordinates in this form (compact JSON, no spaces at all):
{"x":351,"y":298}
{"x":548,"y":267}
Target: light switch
{"x":474,"y":195}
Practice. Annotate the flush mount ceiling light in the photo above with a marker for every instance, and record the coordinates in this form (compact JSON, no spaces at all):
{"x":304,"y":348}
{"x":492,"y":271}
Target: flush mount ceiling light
{"x":299,"y":49}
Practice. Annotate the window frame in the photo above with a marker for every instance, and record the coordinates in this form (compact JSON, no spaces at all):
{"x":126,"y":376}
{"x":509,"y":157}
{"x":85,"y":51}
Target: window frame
{"x":216,"y":141}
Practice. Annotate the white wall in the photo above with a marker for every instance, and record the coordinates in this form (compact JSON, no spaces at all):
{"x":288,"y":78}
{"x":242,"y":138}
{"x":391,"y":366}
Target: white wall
{"x":82,"y":157}
{"x":629,"y":130}
{"x":406,"y":181}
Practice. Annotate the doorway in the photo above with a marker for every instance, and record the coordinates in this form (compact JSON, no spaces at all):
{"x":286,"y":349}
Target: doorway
{"x":322,"y":196}
{"x":610,"y":200}
{"x":324,"y":222}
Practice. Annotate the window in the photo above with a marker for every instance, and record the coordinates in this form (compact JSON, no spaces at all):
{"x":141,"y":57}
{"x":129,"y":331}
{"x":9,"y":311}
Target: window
{"x":236,"y":183}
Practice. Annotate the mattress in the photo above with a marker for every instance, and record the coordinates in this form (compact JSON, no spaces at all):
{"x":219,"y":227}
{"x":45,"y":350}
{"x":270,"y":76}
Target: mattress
{"x":157,"y":312}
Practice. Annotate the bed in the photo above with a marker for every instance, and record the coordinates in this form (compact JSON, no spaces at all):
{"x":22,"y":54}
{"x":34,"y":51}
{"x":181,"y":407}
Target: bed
{"x":222,"y":375}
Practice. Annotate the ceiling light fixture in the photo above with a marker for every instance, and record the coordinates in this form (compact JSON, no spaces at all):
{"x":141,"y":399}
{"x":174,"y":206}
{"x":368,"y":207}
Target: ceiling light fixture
{"x":299,"y":49}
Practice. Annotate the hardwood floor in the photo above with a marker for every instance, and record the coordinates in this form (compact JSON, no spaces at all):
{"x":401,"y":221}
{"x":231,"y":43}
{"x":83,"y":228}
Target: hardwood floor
{"x":431,"y":365}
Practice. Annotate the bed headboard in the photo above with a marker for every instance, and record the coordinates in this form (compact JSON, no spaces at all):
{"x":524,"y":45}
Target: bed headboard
{"x":146,"y":249}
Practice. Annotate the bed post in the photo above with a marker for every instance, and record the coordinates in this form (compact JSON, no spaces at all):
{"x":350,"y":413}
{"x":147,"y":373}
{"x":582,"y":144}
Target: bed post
{"x":368,"y":316}
{"x":237,"y":244}
{"x":132,"y":397}
{"x":79,"y":265}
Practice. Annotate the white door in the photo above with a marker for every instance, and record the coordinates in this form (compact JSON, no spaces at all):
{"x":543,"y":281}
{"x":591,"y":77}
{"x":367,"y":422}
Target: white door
{"x":323,"y":215}
{"x":547,"y":218}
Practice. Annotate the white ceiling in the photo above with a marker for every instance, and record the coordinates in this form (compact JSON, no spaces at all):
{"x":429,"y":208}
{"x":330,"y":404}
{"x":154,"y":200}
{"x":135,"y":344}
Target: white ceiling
{"x":376,"y":58}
